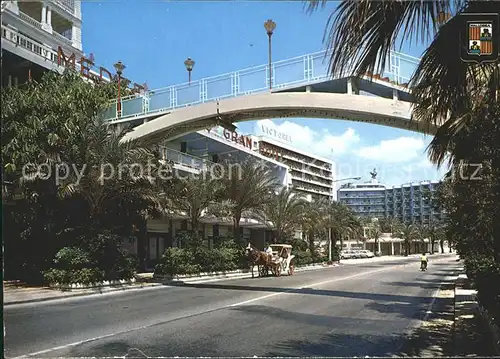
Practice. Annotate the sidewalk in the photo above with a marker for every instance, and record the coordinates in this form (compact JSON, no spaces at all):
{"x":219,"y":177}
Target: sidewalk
{"x":453,"y":327}
{"x":17,"y":293}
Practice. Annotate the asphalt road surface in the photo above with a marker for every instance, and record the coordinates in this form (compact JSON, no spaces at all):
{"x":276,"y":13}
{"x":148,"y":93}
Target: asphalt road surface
{"x":351,"y":310}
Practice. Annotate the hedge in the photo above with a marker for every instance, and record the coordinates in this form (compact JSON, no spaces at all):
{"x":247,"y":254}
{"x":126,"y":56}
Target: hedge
{"x":225,"y":256}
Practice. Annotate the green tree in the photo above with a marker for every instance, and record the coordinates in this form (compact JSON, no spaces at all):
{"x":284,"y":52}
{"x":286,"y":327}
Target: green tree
{"x":194,"y":196}
{"x":56,"y":126}
{"x":345,"y":224}
{"x":283,"y":213}
{"x":409,"y":233}
{"x":361,"y":34}
{"x":247,"y":188}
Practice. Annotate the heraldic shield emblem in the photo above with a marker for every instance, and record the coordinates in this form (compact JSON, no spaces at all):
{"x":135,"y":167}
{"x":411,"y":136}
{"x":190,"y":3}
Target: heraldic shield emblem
{"x":480,"y":38}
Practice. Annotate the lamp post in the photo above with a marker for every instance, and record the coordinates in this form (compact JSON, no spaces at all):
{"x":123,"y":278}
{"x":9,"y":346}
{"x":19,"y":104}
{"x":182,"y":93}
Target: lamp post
{"x":119,"y":67}
{"x":270,"y":25}
{"x":189,"y":63}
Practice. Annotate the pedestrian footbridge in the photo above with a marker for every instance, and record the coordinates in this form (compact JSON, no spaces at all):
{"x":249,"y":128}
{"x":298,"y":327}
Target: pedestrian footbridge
{"x":301,"y":87}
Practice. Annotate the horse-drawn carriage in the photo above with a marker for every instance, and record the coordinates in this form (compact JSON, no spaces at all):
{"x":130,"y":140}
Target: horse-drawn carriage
{"x":278,"y":261}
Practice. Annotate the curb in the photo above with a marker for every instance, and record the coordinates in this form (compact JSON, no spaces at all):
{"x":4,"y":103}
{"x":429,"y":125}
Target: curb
{"x":198,"y":279}
{"x":160,"y":282}
{"x":201,"y":279}
{"x":89,"y":293}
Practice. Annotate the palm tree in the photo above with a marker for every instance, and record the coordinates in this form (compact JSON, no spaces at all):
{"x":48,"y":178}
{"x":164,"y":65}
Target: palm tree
{"x":313,"y":220}
{"x":345,"y":224}
{"x":193,"y":196}
{"x":432,"y":230}
{"x":360,"y":35}
{"x":409,"y":233}
{"x":246,"y":188}
{"x":283,"y":213}
{"x":123,"y":184}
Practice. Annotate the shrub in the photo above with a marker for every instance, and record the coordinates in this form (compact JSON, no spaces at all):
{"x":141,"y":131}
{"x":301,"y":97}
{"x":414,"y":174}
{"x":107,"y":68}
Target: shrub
{"x":177,"y":261}
{"x":97,"y":258}
{"x":73,"y":258}
{"x":483,"y":271}
{"x":85,"y":276}
{"x":217,"y":259}
{"x":303,"y":257}
{"x":196,"y":258}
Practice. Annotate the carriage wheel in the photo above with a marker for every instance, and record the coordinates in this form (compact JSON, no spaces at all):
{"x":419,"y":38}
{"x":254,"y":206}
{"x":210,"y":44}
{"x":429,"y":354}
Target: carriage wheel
{"x":263,"y":271}
{"x":278,"y":270}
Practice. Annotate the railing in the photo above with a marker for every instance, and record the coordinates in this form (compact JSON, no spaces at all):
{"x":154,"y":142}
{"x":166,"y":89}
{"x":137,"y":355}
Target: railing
{"x":41,"y":50}
{"x":30,"y":20}
{"x":289,"y":73}
{"x":67,"y":5}
{"x":185,"y":159}
{"x":28,"y":44}
{"x":62,"y":37}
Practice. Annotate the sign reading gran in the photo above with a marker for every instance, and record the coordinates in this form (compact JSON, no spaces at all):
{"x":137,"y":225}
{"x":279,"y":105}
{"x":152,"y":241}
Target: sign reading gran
{"x":86,"y":65}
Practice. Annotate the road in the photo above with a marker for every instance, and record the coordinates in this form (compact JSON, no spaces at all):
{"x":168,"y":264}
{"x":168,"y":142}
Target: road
{"x":351,"y":310}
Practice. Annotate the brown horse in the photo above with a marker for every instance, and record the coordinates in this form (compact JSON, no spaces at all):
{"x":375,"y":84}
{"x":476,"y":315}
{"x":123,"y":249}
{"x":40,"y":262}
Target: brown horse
{"x":261,"y":259}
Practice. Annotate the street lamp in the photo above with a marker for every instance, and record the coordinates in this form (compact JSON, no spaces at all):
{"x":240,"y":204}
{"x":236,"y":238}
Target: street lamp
{"x":189,"y":63}
{"x":270,"y":25}
{"x":119,"y":67}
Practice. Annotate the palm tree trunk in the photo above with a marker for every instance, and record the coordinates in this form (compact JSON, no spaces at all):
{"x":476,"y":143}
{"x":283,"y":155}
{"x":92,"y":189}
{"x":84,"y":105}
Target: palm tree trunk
{"x":142,"y":236}
{"x":236,"y":227}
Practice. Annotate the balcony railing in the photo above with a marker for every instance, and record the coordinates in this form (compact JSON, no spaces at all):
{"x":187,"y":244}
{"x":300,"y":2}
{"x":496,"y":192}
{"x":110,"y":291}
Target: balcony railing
{"x":66,"y":5}
{"x":20,"y":40}
{"x":30,"y":20}
{"x":37,"y":48}
{"x":62,"y":37}
{"x":185,"y":159}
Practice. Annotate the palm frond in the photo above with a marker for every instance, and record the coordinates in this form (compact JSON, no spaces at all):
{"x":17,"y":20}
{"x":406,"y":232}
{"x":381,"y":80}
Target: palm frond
{"x":361,"y":34}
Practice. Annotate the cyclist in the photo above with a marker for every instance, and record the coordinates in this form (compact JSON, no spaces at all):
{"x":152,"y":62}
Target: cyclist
{"x":423,"y":261}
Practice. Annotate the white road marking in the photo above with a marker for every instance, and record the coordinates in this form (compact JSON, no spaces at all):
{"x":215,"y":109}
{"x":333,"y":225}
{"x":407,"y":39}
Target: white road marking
{"x":434,"y":297}
{"x":311,"y":285}
{"x":210,"y":310}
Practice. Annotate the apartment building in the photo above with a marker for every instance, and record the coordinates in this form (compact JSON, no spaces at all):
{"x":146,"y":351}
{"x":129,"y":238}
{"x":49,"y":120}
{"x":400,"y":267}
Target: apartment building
{"x":312,"y":176}
{"x":409,"y":203}
{"x":34,"y":33}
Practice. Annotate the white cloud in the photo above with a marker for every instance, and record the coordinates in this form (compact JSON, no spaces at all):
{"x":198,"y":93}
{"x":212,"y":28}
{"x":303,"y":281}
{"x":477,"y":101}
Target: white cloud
{"x":321,"y":143}
{"x":402,"y":149}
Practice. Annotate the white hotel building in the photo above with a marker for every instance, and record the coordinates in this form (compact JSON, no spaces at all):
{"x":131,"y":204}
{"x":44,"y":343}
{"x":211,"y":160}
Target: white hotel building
{"x":192,"y":153}
{"x":32,"y":34}
{"x":196,"y":151}
{"x":311,"y":175}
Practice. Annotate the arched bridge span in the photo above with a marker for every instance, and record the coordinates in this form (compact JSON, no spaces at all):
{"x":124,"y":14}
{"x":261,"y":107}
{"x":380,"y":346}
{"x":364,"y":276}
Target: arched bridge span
{"x":369,"y":109}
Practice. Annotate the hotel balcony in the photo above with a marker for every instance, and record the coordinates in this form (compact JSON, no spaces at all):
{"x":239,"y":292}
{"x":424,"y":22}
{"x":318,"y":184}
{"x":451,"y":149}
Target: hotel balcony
{"x":310,"y":179}
{"x":185,"y":162}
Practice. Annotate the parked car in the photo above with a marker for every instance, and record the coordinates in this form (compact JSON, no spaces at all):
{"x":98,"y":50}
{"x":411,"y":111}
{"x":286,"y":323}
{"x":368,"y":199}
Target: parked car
{"x":346,"y":254}
{"x":368,"y":254}
{"x":358,"y":253}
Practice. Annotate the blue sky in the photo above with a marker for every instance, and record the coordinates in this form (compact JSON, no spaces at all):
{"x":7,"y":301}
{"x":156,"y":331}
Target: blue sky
{"x":153,"y":39}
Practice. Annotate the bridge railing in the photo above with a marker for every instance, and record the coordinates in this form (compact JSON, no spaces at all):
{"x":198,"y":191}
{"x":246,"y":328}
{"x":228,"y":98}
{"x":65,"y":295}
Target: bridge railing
{"x":289,"y":73}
